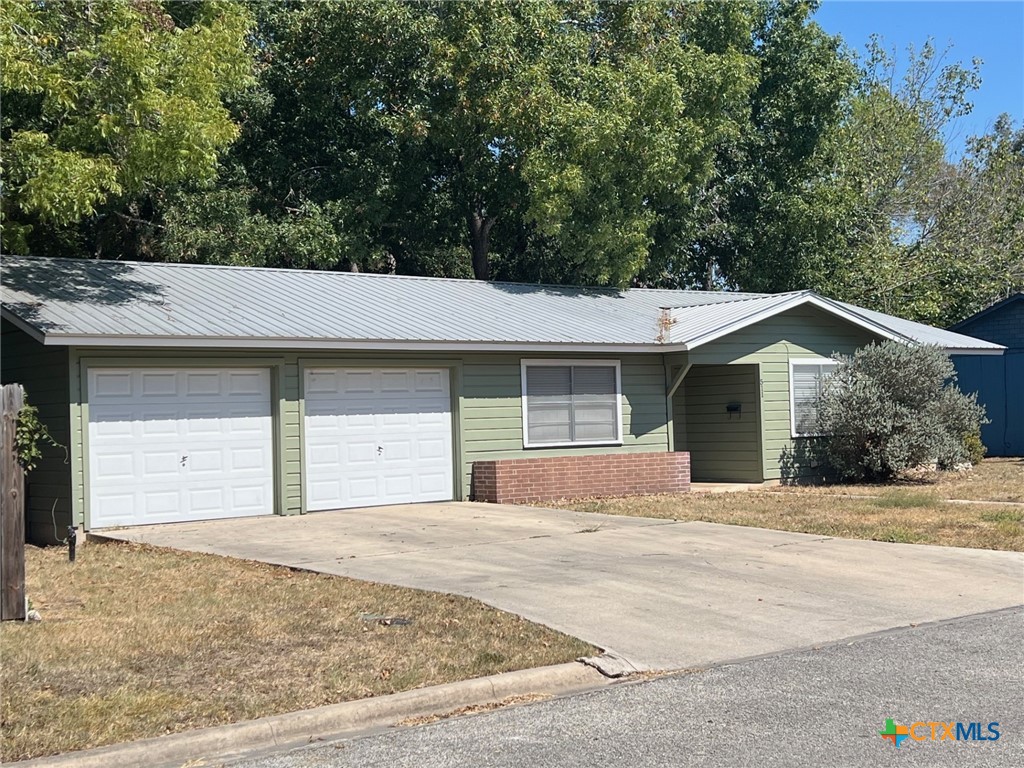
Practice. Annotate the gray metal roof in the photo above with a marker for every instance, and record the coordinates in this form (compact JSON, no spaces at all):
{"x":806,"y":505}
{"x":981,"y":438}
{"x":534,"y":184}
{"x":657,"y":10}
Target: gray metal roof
{"x":922,"y":334}
{"x":74,"y":301}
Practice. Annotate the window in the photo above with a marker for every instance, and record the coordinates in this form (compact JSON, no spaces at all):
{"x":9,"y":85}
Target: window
{"x":806,"y":382}
{"x":571,"y":403}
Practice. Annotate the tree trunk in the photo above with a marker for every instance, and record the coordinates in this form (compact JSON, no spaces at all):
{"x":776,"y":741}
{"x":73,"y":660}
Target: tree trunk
{"x":709,"y":273}
{"x":480,"y":241}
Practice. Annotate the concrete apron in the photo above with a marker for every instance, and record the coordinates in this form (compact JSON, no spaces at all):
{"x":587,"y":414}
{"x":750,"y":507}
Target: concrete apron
{"x":654,"y":594}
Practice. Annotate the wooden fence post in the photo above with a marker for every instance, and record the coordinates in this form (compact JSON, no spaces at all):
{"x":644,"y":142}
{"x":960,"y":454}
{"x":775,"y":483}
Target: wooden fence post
{"x":12,"y":511}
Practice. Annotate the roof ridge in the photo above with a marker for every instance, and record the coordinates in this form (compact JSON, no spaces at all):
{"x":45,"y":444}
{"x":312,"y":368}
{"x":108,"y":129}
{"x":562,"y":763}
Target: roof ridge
{"x":740,"y":297}
{"x":376,"y":275}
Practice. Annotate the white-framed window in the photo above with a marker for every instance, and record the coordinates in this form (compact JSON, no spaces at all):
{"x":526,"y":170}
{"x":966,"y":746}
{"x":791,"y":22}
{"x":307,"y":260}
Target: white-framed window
{"x":571,"y":403}
{"x":806,"y":383}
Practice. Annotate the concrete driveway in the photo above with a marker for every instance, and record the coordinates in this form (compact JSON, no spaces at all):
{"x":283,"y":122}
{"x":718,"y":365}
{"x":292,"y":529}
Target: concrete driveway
{"x":657,"y":594}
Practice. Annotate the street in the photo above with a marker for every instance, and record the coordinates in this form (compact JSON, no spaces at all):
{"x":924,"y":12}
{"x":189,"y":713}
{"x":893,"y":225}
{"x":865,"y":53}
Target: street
{"x":820,"y":707}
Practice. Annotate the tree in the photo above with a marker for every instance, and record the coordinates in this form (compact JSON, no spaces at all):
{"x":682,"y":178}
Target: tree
{"x":891,"y":407}
{"x":485,"y":138}
{"x":762,"y":221}
{"x":892,"y":168}
{"x":104,"y":104}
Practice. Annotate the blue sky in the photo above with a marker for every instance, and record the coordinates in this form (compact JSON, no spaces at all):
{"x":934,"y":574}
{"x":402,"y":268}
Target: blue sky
{"x":991,"y":31}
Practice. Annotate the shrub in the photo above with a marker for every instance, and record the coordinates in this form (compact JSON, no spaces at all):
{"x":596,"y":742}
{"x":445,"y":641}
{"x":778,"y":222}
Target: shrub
{"x":891,"y":407}
{"x":974,"y":447}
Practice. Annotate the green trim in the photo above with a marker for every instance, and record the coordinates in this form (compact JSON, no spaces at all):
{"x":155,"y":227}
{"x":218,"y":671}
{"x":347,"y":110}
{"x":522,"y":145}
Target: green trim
{"x":79,"y":466}
{"x":762,"y":428}
{"x":669,"y":406}
{"x":458,"y":458}
{"x":277,"y":387}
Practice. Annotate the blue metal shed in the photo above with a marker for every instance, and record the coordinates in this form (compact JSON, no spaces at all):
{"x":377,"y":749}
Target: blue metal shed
{"x":998,"y":379}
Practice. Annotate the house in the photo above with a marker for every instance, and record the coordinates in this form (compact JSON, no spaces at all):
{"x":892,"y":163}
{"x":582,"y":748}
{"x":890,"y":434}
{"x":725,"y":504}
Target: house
{"x":998,"y":380}
{"x":188,"y":392}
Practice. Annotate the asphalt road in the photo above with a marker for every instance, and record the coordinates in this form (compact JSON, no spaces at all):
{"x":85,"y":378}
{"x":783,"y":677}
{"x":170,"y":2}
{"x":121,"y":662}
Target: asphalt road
{"x":803,"y":708}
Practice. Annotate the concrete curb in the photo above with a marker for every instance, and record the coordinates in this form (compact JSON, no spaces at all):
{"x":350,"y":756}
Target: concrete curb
{"x":296,"y":729}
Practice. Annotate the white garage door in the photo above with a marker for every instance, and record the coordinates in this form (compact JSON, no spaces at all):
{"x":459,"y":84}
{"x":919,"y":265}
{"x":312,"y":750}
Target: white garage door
{"x":377,"y":436}
{"x":167,"y":445}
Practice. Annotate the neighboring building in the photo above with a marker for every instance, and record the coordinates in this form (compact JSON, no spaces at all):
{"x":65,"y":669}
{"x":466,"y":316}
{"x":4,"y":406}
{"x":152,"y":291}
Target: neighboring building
{"x":194,"y":392}
{"x":998,"y":380}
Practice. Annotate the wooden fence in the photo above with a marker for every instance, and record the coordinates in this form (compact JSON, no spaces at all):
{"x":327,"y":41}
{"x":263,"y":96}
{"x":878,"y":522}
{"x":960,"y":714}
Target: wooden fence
{"x":12,"y":511}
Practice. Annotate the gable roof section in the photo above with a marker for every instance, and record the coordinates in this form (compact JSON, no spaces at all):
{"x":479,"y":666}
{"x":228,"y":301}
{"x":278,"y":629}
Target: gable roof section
{"x":1011,"y":299}
{"x":696,"y":326}
{"x":115,"y":303}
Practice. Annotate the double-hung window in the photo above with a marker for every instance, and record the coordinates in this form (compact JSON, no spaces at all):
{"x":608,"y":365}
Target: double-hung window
{"x":806,"y":383}
{"x":571,"y":403}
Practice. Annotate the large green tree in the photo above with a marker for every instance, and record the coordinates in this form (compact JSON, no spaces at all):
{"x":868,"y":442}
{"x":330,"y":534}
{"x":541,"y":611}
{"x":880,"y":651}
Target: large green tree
{"x":105,"y":103}
{"x":478,"y":138}
{"x":762,"y":221}
{"x":924,"y":236}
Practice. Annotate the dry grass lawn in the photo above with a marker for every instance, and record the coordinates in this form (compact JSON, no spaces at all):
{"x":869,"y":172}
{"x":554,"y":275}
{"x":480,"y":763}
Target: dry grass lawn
{"x":992,"y":480}
{"x":899,"y":515}
{"x":138,"y":641}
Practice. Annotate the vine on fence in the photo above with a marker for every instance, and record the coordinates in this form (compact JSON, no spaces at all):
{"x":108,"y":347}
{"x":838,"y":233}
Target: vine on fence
{"x":29,"y":435}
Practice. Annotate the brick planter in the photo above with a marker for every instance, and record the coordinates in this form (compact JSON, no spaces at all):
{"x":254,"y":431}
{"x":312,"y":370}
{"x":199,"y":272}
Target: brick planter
{"x":511,"y":481}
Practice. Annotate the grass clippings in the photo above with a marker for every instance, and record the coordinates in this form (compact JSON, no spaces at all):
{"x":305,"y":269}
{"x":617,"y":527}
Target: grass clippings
{"x":474,"y":709}
{"x":139,"y":641}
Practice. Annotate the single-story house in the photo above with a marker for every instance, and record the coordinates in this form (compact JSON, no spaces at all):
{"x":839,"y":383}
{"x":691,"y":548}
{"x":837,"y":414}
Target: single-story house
{"x":188,"y":392}
{"x":998,"y":379}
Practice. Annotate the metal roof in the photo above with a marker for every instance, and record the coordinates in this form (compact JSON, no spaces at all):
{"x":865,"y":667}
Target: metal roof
{"x":105,"y":303}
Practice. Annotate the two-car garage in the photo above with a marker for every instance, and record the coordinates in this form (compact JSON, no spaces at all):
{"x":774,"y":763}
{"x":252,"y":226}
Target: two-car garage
{"x":176,"y":444}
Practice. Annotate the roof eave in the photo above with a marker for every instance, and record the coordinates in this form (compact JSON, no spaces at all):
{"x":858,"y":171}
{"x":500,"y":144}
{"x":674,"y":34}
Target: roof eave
{"x":405,"y":345}
{"x":1019,"y":296}
{"x":23,"y":325}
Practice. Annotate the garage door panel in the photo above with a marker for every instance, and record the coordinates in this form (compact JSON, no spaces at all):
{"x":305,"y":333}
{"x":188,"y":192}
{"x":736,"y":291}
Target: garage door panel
{"x":168,"y":445}
{"x":362,"y":491}
{"x":159,"y":384}
{"x":358,"y":453}
{"x":430,"y":381}
{"x":110,"y":385}
{"x":433,"y":483}
{"x":161,"y":464}
{"x":248,"y":384}
{"x":396,"y":450}
{"x":390,"y":428}
{"x":204,"y":461}
{"x":155,"y":424}
{"x":395,"y":382}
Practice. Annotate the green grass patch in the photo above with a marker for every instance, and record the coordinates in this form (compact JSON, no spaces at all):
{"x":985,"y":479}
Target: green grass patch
{"x":907,"y":500}
{"x":898,"y":534}
{"x":1009,"y":515}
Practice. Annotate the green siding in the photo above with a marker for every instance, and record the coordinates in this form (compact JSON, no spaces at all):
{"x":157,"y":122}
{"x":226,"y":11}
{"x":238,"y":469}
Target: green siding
{"x":772,"y":343}
{"x":43,"y":372}
{"x":492,"y":417}
{"x":723,"y":446}
{"x":486,"y":409}
{"x":486,"y":401}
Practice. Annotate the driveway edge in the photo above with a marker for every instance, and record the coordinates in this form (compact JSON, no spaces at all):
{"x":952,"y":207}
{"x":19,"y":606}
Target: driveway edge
{"x":294,"y":729}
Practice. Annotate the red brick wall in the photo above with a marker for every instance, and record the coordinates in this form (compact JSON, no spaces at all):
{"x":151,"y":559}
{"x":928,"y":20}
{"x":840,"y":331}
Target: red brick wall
{"x":510,"y":481}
